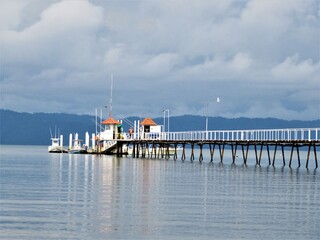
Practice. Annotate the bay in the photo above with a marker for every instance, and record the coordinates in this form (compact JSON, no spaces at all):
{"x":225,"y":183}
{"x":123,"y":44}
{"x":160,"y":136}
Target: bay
{"x":62,"y":196}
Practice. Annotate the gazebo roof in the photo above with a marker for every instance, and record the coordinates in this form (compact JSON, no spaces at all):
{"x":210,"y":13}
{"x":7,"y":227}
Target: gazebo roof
{"x":110,"y":121}
{"x":148,"y":122}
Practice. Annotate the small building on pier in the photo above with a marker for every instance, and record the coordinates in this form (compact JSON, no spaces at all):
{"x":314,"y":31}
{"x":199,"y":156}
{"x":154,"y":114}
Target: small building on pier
{"x":151,"y":128}
{"x":112,"y":129}
{"x":148,"y":125}
{"x":107,"y":138}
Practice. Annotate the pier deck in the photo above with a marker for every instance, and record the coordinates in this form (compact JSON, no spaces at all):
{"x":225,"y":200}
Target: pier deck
{"x":269,"y":140}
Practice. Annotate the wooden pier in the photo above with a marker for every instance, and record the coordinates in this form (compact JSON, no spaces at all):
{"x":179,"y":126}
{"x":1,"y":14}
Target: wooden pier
{"x":166,"y":145}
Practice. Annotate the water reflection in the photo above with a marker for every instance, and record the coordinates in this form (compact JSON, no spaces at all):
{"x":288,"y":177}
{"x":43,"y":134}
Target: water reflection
{"x":61,"y":196}
{"x":112,"y":196}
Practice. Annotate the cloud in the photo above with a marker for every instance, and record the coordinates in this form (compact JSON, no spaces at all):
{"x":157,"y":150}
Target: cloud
{"x":241,"y":62}
{"x":9,"y":13}
{"x":260,"y":56}
{"x":64,"y":34}
{"x":293,"y":69}
{"x":114,"y":55}
{"x":161,"y":64}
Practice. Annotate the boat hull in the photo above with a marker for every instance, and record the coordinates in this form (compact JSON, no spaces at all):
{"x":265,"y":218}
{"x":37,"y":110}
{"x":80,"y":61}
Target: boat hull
{"x":56,"y":151}
{"x":77,"y":151}
{"x":52,"y":149}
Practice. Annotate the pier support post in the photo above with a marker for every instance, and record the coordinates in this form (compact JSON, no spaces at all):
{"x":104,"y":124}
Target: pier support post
{"x":212,"y":151}
{"x":167,"y":151}
{"x":298,"y":155}
{"x":245,"y":155}
{"x":315,"y":155}
{"x":117,"y":149}
{"x":234,"y":152}
{"x":274,"y":154}
{"x":192,"y":152}
{"x":138,"y":149}
{"x":159,"y":150}
{"x":283,"y":157}
{"x":268,"y":151}
{"x":256,"y":154}
{"x":291,"y":154}
{"x":308,"y":155}
{"x":221,"y":151}
{"x":152,"y":150}
{"x":200,"y":156}
{"x":143,"y":152}
{"x":175,"y":151}
{"x":260,"y":154}
{"x":183,"y":156}
{"x":134,"y":150}
{"x":162,"y":150}
{"x":148,"y":149}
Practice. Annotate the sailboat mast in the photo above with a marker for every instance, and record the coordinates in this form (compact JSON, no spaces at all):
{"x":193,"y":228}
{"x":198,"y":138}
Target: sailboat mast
{"x":96,"y":121}
{"x":110,"y":109}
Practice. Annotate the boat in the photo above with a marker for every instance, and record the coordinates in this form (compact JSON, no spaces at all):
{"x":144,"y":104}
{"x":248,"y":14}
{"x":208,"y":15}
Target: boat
{"x":77,"y":148}
{"x":56,"y":145}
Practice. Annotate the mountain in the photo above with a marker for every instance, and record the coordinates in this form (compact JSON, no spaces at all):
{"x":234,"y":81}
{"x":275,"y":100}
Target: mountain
{"x":34,"y":128}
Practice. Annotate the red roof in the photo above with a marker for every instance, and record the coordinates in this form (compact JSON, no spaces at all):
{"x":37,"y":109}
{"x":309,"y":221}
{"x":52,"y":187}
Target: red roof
{"x":110,"y":121}
{"x":148,"y":122}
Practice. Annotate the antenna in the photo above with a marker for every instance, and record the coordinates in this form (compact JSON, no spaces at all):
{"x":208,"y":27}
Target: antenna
{"x":110,"y":110}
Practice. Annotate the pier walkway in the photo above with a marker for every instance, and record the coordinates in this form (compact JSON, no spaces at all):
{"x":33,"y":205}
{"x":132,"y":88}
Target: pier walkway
{"x":166,"y":144}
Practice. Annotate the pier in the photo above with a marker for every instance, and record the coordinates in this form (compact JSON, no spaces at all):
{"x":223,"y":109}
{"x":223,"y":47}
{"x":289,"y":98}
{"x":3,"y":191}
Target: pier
{"x":165,"y":144}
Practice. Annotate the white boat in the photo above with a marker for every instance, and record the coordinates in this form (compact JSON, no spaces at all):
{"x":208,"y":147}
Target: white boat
{"x":56,"y":146}
{"x":56,"y":143}
{"x":77,"y":148}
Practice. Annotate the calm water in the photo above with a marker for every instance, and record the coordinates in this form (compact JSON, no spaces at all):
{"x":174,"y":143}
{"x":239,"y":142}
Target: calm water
{"x":61,"y":196}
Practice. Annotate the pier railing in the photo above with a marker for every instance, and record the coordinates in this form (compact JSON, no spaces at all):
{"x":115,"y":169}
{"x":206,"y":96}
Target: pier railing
{"x":289,"y":134}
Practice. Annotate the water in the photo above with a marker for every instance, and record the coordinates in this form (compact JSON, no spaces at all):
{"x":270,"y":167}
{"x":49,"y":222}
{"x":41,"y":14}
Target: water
{"x":61,"y":196}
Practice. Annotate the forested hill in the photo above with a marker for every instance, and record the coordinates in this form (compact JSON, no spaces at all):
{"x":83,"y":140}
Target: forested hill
{"x":34,"y":128}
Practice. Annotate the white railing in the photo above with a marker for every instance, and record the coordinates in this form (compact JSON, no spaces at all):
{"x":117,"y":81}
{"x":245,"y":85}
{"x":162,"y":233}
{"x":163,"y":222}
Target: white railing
{"x":289,"y":134}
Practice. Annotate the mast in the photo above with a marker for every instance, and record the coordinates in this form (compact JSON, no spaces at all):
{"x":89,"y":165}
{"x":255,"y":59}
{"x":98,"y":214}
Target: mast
{"x":110,"y":109}
{"x":96,"y":121}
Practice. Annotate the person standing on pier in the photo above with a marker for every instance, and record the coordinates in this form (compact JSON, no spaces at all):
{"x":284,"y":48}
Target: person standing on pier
{"x":131,"y":131}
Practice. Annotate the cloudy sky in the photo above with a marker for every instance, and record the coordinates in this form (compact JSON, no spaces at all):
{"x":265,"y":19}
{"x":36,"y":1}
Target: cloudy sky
{"x":260,"y":57}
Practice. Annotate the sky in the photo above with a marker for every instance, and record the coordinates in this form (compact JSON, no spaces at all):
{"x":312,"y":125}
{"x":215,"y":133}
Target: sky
{"x":260,"y":57}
